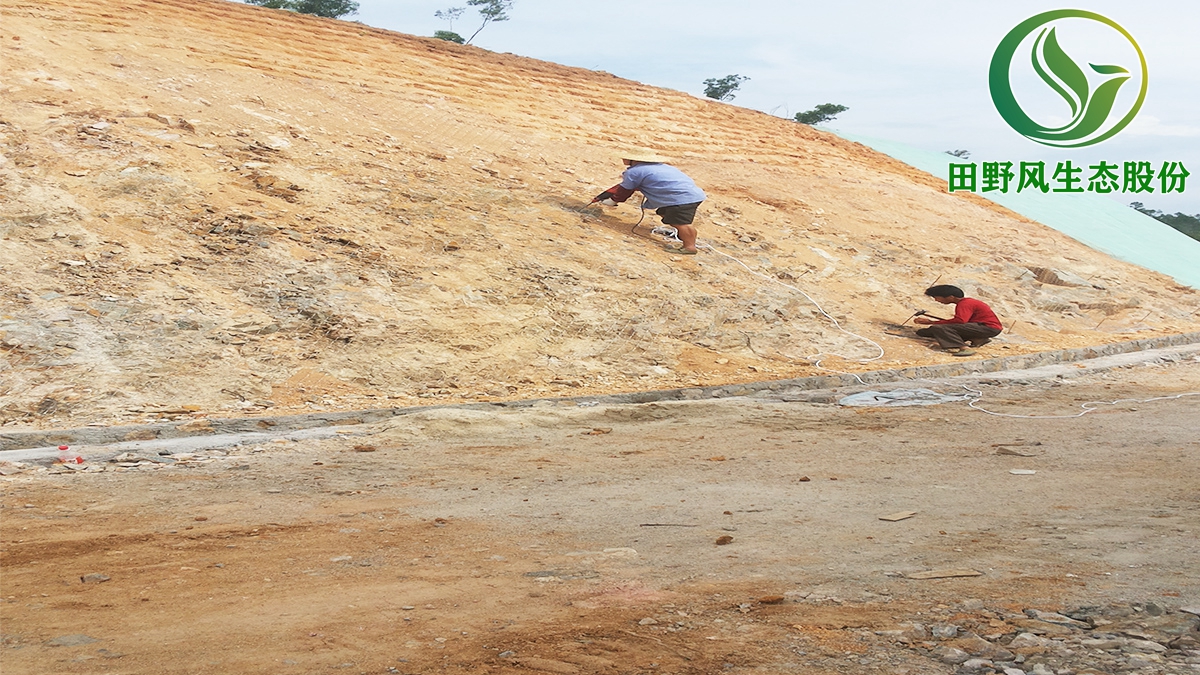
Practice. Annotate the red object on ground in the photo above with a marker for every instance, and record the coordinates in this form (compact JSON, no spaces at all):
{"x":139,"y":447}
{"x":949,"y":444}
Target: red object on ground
{"x":64,"y":447}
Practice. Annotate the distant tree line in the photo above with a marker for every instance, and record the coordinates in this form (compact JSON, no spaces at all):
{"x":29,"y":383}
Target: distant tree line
{"x":490,"y":11}
{"x":330,"y":9}
{"x":723,"y":88}
{"x":1189,"y":225}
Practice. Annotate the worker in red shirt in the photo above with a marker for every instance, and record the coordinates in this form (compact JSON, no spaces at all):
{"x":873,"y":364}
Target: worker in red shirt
{"x":973,"y":321}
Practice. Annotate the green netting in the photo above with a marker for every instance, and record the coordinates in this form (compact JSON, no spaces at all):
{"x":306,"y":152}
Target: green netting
{"x":1100,"y":222}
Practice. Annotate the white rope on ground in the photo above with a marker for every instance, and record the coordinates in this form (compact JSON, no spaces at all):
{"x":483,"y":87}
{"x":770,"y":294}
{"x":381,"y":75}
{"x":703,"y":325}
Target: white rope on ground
{"x":1089,"y":406}
{"x":815,"y":358}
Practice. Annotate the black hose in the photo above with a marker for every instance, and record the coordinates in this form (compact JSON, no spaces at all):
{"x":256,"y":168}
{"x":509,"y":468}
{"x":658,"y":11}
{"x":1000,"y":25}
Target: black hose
{"x":643,"y":217}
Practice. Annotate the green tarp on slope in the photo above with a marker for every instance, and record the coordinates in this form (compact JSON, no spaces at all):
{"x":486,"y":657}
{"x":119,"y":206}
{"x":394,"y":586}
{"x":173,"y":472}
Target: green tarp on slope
{"x":1100,"y":222}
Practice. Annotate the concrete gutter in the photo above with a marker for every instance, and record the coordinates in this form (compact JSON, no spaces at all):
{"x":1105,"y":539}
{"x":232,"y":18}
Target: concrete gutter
{"x":277,"y":426}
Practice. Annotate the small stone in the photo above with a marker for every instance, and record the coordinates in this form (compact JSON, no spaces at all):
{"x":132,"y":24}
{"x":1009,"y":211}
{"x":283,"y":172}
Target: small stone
{"x":1027,"y":640}
{"x":952,"y":655}
{"x":95,"y":578}
{"x":1041,"y":627}
{"x":977,"y":664}
{"x":71,"y":641}
{"x":648,"y":622}
{"x":723,"y":540}
{"x":341,"y":558}
{"x":1147,"y":646}
{"x":1184,"y":642}
{"x":977,"y":646}
{"x":407,"y":607}
{"x":507,"y":654}
{"x":1013,"y":671}
{"x":944,"y":632}
{"x":771,"y":599}
{"x":1054,"y":617}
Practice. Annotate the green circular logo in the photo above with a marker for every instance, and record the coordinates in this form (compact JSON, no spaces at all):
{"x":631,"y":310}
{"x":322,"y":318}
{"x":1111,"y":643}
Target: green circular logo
{"x":1092,"y":116}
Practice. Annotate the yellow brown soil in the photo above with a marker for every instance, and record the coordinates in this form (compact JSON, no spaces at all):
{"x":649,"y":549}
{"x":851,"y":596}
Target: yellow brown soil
{"x":582,"y":540}
{"x":216,"y":209}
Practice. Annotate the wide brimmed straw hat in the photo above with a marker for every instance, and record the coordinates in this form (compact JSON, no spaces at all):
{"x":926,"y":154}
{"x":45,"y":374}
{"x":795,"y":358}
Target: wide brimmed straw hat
{"x":644,"y":156}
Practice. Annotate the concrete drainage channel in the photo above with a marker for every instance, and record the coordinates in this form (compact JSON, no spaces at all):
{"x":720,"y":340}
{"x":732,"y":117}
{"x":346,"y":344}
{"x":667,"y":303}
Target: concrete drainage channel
{"x":206,"y":433}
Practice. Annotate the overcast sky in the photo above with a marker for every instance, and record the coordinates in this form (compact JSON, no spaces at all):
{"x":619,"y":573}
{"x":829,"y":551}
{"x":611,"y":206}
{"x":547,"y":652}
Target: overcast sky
{"x":914,"y":71}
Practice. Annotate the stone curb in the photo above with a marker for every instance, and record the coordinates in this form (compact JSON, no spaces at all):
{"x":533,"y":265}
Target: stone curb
{"x":19,"y":440}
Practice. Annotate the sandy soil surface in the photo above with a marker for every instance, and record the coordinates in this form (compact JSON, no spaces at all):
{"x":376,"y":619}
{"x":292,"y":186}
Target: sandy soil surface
{"x":212,"y":208}
{"x":588,"y":540}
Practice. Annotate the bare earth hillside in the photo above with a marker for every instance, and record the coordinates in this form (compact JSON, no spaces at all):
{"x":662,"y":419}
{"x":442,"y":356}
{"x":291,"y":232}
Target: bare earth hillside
{"x":213,"y":209}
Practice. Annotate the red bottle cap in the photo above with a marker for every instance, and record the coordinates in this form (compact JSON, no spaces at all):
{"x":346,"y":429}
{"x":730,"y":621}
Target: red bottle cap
{"x":64,"y":447}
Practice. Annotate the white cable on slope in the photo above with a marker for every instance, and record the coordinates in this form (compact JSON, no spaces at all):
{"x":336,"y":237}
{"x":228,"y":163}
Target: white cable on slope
{"x":1089,"y":406}
{"x":817,"y":362}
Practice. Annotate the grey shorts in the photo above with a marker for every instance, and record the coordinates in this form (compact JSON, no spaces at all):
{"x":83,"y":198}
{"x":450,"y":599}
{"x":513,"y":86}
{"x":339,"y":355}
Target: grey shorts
{"x":680,"y":214}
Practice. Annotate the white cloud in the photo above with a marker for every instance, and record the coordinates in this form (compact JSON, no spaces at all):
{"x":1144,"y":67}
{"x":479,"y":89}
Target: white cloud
{"x":1148,"y":125}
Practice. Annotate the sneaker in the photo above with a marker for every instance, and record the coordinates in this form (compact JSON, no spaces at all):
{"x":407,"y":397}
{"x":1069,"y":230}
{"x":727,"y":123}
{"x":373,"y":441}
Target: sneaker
{"x":964,"y":352}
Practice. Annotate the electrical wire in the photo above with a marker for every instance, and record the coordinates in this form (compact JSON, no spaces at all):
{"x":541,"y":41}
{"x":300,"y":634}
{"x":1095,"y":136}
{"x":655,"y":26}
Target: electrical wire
{"x":642,"y":211}
{"x":815,"y":358}
{"x":1088,"y":407}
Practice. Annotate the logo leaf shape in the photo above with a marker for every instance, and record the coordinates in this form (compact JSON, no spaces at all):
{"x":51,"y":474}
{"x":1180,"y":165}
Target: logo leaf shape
{"x":1090,"y":108}
{"x":1064,"y":68}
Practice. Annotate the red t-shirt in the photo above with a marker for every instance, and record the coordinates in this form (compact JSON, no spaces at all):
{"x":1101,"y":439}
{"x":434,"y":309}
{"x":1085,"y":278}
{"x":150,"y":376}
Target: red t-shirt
{"x":970,"y":310}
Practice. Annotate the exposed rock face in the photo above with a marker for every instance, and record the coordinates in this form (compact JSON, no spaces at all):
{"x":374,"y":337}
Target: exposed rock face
{"x":224,"y":207}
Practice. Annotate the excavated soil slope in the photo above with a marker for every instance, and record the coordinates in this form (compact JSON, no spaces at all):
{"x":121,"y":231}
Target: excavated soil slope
{"x":211,"y":208}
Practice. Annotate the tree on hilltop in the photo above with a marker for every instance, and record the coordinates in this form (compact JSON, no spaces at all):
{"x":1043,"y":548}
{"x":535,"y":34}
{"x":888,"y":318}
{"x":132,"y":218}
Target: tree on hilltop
{"x":449,"y":15}
{"x":490,"y":11}
{"x":822,"y":113}
{"x":330,"y":9}
{"x":722,"y":88}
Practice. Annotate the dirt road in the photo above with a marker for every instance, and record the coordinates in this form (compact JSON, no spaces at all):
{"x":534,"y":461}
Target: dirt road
{"x":584,"y":540}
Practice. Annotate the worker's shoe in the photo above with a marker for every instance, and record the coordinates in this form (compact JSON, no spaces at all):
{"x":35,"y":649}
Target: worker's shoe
{"x":678,"y":250}
{"x":980,"y":342}
{"x":963,"y":352}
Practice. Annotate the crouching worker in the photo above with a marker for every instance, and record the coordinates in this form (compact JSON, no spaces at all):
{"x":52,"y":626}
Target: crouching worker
{"x":973,"y":322}
{"x":667,"y":190}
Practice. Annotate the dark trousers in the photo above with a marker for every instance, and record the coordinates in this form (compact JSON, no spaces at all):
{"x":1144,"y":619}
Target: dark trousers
{"x":955,"y":335}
